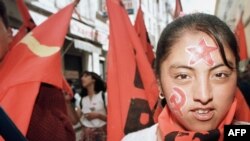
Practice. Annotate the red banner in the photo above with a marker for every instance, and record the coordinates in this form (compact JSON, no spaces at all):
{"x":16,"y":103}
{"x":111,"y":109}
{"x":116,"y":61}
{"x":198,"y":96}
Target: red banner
{"x":143,"y":35}
{"x":35,"y":59}
{"x":132,"y":87}
{"x":28,"y":23}
{"x":178,"y":8}
{"x":241,"y":38}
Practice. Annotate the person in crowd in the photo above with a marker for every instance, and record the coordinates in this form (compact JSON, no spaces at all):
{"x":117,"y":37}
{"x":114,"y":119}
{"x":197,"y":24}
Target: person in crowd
{"x":93,"y":107}
{"x":246,"y":73}
{"x":244,"y":83}
{"x":196,"y":65}
{"x":49,"y":119}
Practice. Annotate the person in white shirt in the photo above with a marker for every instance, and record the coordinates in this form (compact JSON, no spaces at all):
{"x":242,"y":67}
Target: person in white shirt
{"x":93,"y":107}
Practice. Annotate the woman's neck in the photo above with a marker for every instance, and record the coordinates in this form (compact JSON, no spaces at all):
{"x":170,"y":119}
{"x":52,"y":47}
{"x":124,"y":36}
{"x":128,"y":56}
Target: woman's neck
{"x":158,"y":134}
{"x":91,"y":91}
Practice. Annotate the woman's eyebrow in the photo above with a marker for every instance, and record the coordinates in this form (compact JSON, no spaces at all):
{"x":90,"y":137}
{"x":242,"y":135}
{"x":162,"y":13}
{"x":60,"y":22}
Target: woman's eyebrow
{"x":217,"y":66}
{"x":221,"y":65}
{"x":190,"y":68}
{"x":181,"y":66}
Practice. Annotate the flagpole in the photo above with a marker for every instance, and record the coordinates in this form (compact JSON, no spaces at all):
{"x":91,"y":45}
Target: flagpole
{"x":76,"y":2}
{"x":67,"y":48}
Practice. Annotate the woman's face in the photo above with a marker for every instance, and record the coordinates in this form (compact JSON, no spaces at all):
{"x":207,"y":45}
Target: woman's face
{"x":87,"y":80}
{"x":198,"y":86}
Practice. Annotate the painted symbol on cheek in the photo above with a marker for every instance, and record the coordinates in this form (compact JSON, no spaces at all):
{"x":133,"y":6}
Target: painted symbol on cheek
{"x":201,"y":52}
{"x":177,"y":100}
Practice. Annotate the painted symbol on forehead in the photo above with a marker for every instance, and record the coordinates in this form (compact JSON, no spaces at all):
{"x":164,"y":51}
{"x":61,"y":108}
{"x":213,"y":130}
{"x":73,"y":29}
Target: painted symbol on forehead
{"x":177,"y":100}
{"x":201,"y":52}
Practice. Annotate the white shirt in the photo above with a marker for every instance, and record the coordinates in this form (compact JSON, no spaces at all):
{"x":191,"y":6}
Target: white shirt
{"x":95,"y":104}
{"x":147,"y":134}
{"x":78,"y":99}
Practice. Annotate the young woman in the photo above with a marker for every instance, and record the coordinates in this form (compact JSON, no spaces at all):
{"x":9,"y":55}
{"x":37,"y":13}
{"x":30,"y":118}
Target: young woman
{"x":93,"y":107}
{"x":196,"y":65}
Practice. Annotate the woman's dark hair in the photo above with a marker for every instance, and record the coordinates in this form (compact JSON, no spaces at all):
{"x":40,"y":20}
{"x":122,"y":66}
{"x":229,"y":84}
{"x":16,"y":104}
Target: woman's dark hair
{"x":100,"y":85}
{"x":209,"y":24}
{"x":3,"y":14}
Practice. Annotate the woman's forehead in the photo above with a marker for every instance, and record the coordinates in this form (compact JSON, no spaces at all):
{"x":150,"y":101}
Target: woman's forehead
{"x":86,"y":74}
{"x":197,"y":48}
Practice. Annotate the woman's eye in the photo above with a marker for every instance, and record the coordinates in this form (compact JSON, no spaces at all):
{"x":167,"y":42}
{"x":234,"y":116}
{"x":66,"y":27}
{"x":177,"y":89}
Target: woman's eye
{"x":221,"y":75}
{"x":182,"y":76}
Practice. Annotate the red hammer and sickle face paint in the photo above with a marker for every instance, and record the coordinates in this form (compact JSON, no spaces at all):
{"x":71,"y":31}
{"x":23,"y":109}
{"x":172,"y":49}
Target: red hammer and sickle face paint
{"x":177,"y":100}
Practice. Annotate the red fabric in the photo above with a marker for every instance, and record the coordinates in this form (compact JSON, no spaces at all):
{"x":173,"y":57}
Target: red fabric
{"x":240,"y":35}
{"x":178,"y":8}
{"x":27,"y":20}
{"x":242,"y":110}
{"x":50,"y":111}
{"x":22,"y":70}
{"x":127,"y":62}
{"x":141,"y":30}
{"x":28,"y":23}
{"x":18,"y":103}
{"x":168,"y":127}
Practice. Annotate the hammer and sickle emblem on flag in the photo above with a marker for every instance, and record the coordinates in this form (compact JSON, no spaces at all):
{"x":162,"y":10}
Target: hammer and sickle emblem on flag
{"x":38,"y":49}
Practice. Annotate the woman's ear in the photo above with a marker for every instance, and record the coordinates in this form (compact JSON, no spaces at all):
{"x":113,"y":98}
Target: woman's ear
{"x":161,"y":95}
{"x":93,"y":80}
{"x":159,"y":85}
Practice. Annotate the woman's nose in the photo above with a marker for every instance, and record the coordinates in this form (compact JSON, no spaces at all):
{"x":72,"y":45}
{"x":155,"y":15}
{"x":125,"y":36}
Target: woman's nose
{"x":82,"y":79}
{"x":202,"y":92}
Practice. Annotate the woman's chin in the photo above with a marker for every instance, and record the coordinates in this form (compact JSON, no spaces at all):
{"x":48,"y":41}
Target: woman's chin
{"x":200,"y":127}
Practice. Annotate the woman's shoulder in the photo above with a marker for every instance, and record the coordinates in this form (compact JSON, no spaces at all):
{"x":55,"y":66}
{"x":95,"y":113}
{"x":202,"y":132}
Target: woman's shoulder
{"x":147,"y":134}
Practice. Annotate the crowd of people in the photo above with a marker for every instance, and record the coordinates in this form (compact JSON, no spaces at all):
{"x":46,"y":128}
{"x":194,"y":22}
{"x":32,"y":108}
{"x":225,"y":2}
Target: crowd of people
{"x":197,"y":68}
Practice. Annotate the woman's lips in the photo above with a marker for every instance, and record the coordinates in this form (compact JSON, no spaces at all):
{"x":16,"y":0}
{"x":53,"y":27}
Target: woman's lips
{"x":203,"y":114}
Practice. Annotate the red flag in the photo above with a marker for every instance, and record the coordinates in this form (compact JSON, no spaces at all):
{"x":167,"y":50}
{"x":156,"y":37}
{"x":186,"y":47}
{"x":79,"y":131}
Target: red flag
{"x":28,"y":23}
{"x":66,"y":87}
{"x":143,"y":35}
{"x":242,"y":111}
{"x":35,"y":59}
{"x":178,"y":8}
{"x":132,"y":86}
{"x":240,"y":35}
